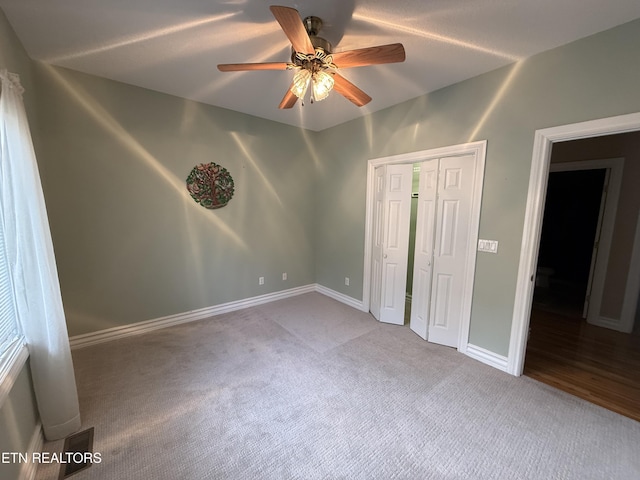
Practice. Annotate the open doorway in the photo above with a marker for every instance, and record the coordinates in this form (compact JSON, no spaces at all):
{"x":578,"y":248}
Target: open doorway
{"x":570,"y":232}
{"x":544,"y":140}
{"x":564,"y":350}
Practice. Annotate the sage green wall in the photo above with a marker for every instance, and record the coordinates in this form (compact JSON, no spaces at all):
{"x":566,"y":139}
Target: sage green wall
{"x":130,"y":242}
{"x":14,"y":58}
{"x":594,"y":77}
{"x":18,"y":416}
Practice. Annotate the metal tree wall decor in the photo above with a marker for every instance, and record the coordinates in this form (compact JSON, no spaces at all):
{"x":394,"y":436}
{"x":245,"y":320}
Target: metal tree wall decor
{"x":210,"y":185}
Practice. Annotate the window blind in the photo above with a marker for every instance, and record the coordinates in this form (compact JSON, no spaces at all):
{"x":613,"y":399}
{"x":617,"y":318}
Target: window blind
{"x":9,"y":331}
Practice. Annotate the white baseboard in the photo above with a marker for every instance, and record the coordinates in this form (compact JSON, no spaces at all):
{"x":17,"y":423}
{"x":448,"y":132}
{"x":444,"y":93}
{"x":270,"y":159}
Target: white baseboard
{"x":341,"y":297}
{"x":487,"y":357}
{"x":29,"y":469}
{"x":102,"y":336}
{"x":610,"y":323}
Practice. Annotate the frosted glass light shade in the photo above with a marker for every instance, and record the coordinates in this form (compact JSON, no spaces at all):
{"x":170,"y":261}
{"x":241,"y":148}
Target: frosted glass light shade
{"x":322,"y":85}
{"x":301,"y":82}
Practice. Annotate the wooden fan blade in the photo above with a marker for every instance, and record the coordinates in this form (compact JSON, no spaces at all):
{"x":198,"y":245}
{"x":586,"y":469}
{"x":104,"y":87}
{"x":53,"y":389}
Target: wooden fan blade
{"x":391,"y":53}
{"x":291,"y":23}
{"x":289,"y":99}
{"x":240,"y":67}
{"x":348,"y":90}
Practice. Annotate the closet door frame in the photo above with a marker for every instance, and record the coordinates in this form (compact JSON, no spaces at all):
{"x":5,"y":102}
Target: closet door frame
{"x":478,"y":149}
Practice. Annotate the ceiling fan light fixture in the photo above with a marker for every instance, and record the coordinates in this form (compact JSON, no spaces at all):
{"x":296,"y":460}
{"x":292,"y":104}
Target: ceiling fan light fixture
{"x":322,"y":85}
{"x":312,"y":59}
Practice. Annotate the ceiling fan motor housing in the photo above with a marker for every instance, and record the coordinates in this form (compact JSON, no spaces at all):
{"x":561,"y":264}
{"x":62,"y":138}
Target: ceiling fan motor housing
{"x":318,"y":43}
{"x":312,"y":25}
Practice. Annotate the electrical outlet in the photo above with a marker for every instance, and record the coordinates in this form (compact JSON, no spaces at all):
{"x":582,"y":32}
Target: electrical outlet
{"x":284,"y":276}
{"x":260,"y":280}
{"x":346,"y":281}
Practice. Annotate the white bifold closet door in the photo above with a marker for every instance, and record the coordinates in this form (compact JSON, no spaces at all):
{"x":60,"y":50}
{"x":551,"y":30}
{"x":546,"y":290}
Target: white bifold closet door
{"x":442,"y":246}
{"x":391,"y":216}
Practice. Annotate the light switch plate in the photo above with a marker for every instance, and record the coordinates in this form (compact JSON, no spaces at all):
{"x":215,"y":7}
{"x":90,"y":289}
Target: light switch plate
{"x":489,"y":246}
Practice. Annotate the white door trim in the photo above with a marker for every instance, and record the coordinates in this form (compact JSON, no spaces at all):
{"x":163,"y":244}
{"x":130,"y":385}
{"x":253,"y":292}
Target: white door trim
{"x":615,"y":166}
{"x":476,"y":148}
{"x":543,"y":141}
{"x":632,"y":292}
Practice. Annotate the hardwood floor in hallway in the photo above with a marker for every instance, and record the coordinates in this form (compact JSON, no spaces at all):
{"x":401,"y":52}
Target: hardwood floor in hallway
{"x":594,"y":363}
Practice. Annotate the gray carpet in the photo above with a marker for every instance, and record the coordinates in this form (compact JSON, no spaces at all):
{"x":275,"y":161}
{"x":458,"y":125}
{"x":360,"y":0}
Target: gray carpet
{"x":308,"y":388}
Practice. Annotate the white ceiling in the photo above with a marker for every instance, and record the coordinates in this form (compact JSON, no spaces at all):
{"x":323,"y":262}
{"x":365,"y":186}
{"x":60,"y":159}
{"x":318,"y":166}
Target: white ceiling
{"x":173,"y":46}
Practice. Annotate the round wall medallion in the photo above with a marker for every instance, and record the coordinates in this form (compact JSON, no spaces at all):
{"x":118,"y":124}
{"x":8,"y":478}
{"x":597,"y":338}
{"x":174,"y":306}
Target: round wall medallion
{"x":210,"y":185}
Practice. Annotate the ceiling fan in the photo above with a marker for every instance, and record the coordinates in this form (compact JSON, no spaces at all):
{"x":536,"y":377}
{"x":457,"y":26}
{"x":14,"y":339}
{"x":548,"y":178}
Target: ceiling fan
{"x":315,"y":64}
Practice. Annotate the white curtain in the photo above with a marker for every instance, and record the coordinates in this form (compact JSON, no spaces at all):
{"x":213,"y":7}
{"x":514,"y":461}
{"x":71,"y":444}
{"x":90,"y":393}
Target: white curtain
{"x":35,"y":276}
